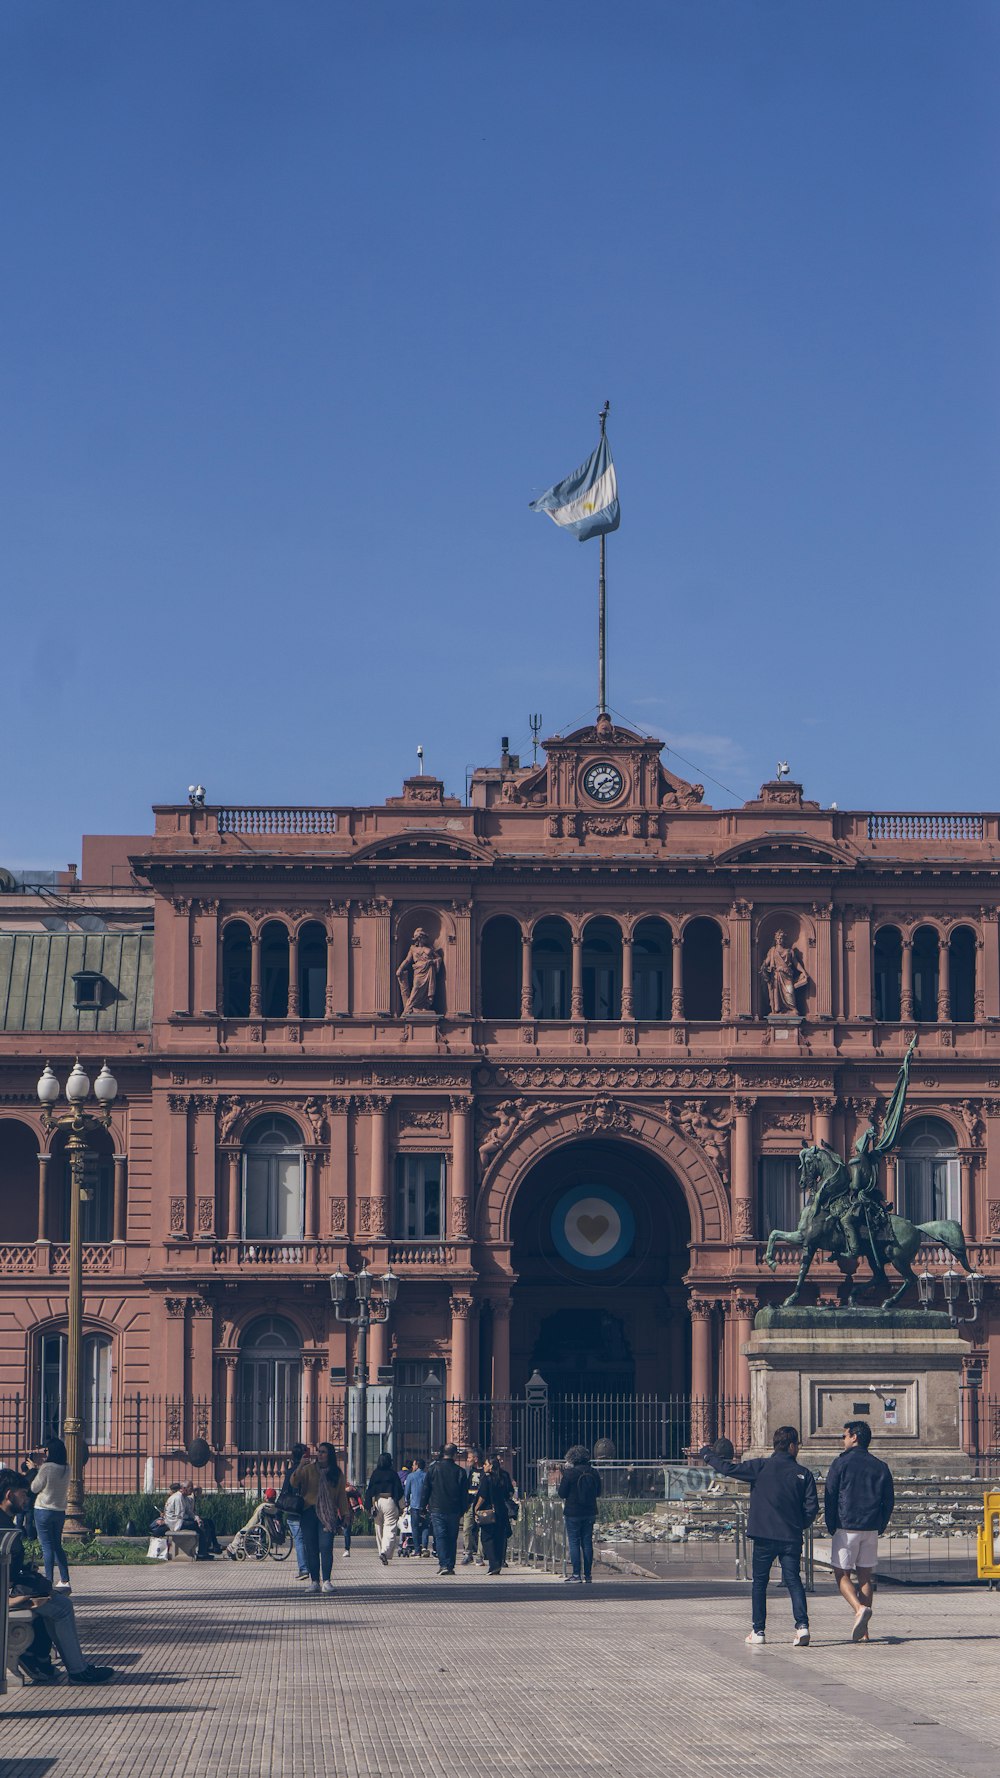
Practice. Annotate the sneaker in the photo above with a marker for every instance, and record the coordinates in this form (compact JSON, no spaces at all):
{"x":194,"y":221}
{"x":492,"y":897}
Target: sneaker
{"x":573,"y":1580}
{"x":327,"y":1587}
{"x":383,"y":1558}
{"x":303,"y":1573}
{"x":756,"y":1636}
{"x":62,"y":1586}
{"x":347,"y":1555}
{"x":34,"y":1672}
{"x":93,"y":1676}
{"x":861,"y":1622}
{"x":468,"y":1560}
{"x":313,"y":1586}
{"x":481,"y":1562}
{"x":588,"y":1580}
{"x":801,"y":1637}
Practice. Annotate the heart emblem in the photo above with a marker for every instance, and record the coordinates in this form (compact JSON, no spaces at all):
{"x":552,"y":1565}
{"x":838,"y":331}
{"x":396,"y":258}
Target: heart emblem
{"x":592,"y":1228}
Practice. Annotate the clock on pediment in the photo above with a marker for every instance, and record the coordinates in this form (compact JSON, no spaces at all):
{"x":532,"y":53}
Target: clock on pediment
{"x":603,"y":781}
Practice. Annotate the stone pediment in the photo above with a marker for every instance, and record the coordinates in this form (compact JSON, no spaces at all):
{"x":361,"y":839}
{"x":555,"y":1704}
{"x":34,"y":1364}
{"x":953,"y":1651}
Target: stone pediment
{"x":423,"y":846}
{"x":604,"y":767}
{"x":776,"y":851}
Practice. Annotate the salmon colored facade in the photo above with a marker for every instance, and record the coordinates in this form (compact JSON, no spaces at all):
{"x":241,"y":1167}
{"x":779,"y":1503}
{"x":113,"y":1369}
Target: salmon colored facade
{"x":625,"y":1013}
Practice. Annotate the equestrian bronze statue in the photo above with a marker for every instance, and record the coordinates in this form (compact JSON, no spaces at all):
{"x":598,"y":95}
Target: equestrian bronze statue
{"x":846,"y":1217}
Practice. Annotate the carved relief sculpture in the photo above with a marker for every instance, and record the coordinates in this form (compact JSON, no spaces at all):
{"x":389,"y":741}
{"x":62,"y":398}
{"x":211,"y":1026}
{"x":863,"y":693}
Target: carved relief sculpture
{"x":418,"y":974}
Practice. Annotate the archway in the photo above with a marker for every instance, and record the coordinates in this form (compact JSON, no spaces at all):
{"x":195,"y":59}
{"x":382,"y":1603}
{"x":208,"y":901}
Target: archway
{"x":600,"y":1233}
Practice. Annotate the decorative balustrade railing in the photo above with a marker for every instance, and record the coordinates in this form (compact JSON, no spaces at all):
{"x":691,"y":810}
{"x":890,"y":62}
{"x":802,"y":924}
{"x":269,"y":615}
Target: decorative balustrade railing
{"x":277,"y":820}
{"x":905,"y":826}
{"x":422,"y":1253}
{"x":19,"y":1258}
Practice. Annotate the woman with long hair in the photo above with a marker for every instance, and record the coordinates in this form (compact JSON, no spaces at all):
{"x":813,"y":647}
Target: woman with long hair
{"x":384,"y":1500}
{"x":50,"y":1485}
{"x":324,"y":1494}
{"x":492,"y":1511}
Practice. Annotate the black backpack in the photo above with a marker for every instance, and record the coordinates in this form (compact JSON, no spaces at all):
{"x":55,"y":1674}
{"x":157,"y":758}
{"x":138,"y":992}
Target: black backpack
{"x":586,"y":1487}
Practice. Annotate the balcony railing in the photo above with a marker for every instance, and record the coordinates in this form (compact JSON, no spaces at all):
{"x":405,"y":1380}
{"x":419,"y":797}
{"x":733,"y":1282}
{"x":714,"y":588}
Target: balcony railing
{"x":422,"y":1253}
{"x":277,"y":820}
{"x":925,"y":827}
{"x":18,"y":1259}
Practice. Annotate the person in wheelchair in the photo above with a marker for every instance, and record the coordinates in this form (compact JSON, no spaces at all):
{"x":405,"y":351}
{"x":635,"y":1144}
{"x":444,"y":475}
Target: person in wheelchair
{"x":265,"y":1513}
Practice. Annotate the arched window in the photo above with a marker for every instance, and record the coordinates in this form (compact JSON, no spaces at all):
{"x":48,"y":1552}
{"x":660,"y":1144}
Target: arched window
{"x":652,"y":970}
{"x":500,"y":968}
{"x":925,"y":975}
{"x":18,"y":1181}
{"x":312,"y":970}
{"x":702,"y":970}
{"x":272,"y":1181}
{"x":268,"y":1386}
{"x":928,"y":1172}
{"x":236,"y":970}
{"x":962,"y":974}
{"x":888,"y":974}
{"x":602,"y":970}
{"x":97,"y":1211}
{"x":274,"y":970}
{"x":551,"y":968}
{"x":52,"y":1358}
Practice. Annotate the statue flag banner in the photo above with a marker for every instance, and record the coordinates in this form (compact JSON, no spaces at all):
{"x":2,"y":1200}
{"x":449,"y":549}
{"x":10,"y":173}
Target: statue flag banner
{"x":586,"y":503}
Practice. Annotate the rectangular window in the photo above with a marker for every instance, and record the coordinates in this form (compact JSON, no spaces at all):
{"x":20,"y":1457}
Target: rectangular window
{"x":930,"y":1188}
{"x":420,"y":1197}
{"x":780,"y":1201}
{"x":95,"y":1387}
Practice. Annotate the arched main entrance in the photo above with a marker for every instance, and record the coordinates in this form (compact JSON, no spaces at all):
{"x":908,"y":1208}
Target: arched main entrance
{"x":600,"y":1232}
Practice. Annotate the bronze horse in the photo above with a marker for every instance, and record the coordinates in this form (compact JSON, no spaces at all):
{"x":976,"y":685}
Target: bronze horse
{"x":823,"y":1177}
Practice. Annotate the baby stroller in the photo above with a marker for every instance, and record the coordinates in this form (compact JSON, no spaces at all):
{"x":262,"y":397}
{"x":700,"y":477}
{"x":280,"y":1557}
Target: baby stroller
{"x":407,"y":1546}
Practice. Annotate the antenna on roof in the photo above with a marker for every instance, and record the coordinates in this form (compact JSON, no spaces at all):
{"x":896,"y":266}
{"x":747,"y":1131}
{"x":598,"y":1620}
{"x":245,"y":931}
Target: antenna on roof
{"x":535,"y":725}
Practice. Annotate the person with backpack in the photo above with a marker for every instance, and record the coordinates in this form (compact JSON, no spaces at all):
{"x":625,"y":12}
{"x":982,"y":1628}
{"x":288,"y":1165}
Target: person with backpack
{"x":579,"y":1491}
{"x":783,"y":1504}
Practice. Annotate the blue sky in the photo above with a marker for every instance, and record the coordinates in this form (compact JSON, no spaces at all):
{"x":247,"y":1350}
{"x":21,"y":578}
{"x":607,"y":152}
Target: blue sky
{"x":304,"y":302}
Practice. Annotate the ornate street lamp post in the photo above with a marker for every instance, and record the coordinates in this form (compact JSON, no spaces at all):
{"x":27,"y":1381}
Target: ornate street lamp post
{"x":76,"y":1122}
{"x":366,"y":1310}
{"x":951,"y":1284}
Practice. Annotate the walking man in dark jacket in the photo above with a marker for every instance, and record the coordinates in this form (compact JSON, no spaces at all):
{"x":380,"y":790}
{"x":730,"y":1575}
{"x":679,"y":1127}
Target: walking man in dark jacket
{"x":579,"y":1490}
{"x":783,"y":1503}
{"x":447,"y":1498}
{"x":857,"y":1507}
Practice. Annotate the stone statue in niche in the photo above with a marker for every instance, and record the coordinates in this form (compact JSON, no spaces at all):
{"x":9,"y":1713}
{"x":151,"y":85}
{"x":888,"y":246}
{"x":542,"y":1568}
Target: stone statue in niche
{"x":418,"y":975}
{"x":784,"y":977}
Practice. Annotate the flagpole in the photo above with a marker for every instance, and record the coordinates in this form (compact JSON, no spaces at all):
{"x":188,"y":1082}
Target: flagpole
{"x":602,"y":615}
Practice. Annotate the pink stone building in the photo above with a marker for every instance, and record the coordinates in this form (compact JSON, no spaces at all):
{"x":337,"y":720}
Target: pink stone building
{"x":572,"y":1147}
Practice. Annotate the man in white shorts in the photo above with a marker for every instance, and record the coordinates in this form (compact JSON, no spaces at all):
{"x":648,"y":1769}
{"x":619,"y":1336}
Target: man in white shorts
{"x":857,"y":1506}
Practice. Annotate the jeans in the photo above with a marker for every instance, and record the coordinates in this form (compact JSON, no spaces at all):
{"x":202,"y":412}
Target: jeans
{"x":470,"y":1532}
{"x":580,"y":1537}
{"x":420,"y":1521}
{"x":49,"y":1526}
{"x":309,"y":1526}
{"x":345,"y":1526}
{"x":325,"y":1545}
{"x":446,"y":1537}
{"x":55,"y":1622}
{"x":295,"y":1527}
{"x":788,"y":1552}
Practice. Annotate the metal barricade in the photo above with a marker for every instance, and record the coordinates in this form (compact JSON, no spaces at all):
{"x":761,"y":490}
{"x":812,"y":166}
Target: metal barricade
{"x":7,"y":1542}
{"x":538,"y":1540}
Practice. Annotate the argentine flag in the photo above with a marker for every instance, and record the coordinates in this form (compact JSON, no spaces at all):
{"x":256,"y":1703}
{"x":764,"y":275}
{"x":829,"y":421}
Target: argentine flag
{"x":586,"y":503}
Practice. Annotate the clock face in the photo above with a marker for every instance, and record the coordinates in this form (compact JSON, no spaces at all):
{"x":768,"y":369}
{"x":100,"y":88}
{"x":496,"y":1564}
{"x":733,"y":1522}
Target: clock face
{"x":603,"y":783}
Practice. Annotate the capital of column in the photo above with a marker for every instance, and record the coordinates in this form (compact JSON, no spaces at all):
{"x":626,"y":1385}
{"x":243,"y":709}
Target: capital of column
{"x":700,"y":1307}
{"x":461,"y":1307}
{"x":742,"y":1105}
{"x":501,"y":1307}
{"x":745,"y":1307}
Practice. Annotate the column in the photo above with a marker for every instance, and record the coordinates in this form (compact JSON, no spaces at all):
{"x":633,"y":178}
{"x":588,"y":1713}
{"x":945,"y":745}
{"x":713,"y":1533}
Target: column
{"x":627,"y":1011}
{"x":823,"y":1110}
{"x":742,"y":1165}
{"x":906,"y":991}
{"x":337,"y":1218}
{"x":461,"y":1166}
{"x":824,"y":973}
{"x":384,"y":983}
{"x":378,"y":1346}
{"x":859,"y":946}
{"x":43,"y":1196}
{"x":378,"y":1109}
{"x":987,"y":1002}
{"x":120,"y":1162}
{"x":701,"y":1370}
{"x":740,"y":979}
{"x":461,"y":1314}
{"x":745,"y":1308}
{"x":204,"y":1164}
{"x":310,"y":1363}
{"x":527,"y":1005}
{"x":501,"y":1307}
{"x":944,"y":982}
{"x":836,"y":965}
{"x":181,"y":960}
{"x":458,"y":993}
{"x":229,"y":1363}
{"x":891,"y":1182}
{"x":677,"y":992}
{"x":576,"y":998}
{"x":177,"y":1166}
{"x":255,"y":975}
{"x":206,"y":938}
{"x":233,"y":1216}
{"x":293,"y":974}
{"x":338,"y":959}
{"x":313,"y":1162}
{"x":968,"y":1165}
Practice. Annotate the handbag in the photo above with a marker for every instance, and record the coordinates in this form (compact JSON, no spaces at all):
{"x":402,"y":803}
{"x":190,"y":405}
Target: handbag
{"x":485,"y":1515}
{"x":289,"y":1502}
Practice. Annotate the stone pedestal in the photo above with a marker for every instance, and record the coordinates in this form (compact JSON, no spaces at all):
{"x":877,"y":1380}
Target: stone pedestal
{"x":900,"y":1371}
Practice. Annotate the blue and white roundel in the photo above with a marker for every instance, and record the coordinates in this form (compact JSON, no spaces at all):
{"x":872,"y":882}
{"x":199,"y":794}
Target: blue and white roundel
{"x":592,"y":1227}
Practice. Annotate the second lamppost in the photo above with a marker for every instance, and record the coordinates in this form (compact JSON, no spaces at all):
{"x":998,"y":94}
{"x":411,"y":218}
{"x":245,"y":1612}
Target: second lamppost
{"x":361,"y":1312}
{"x":76,"y":1122}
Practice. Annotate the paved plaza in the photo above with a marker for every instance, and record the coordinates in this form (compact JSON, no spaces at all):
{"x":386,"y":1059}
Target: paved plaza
{"x":234,"y":1672}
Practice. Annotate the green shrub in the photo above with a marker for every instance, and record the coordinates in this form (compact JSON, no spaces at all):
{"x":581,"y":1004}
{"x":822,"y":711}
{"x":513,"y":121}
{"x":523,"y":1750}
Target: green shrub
{"x":110,"y":1513}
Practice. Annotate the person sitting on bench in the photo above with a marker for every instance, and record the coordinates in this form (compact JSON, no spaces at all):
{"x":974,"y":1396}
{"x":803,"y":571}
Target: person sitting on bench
{"x":51,"y":1613}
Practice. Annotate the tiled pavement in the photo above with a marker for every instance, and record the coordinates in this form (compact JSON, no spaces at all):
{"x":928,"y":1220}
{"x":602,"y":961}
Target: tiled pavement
{"x":233,"y":1672}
